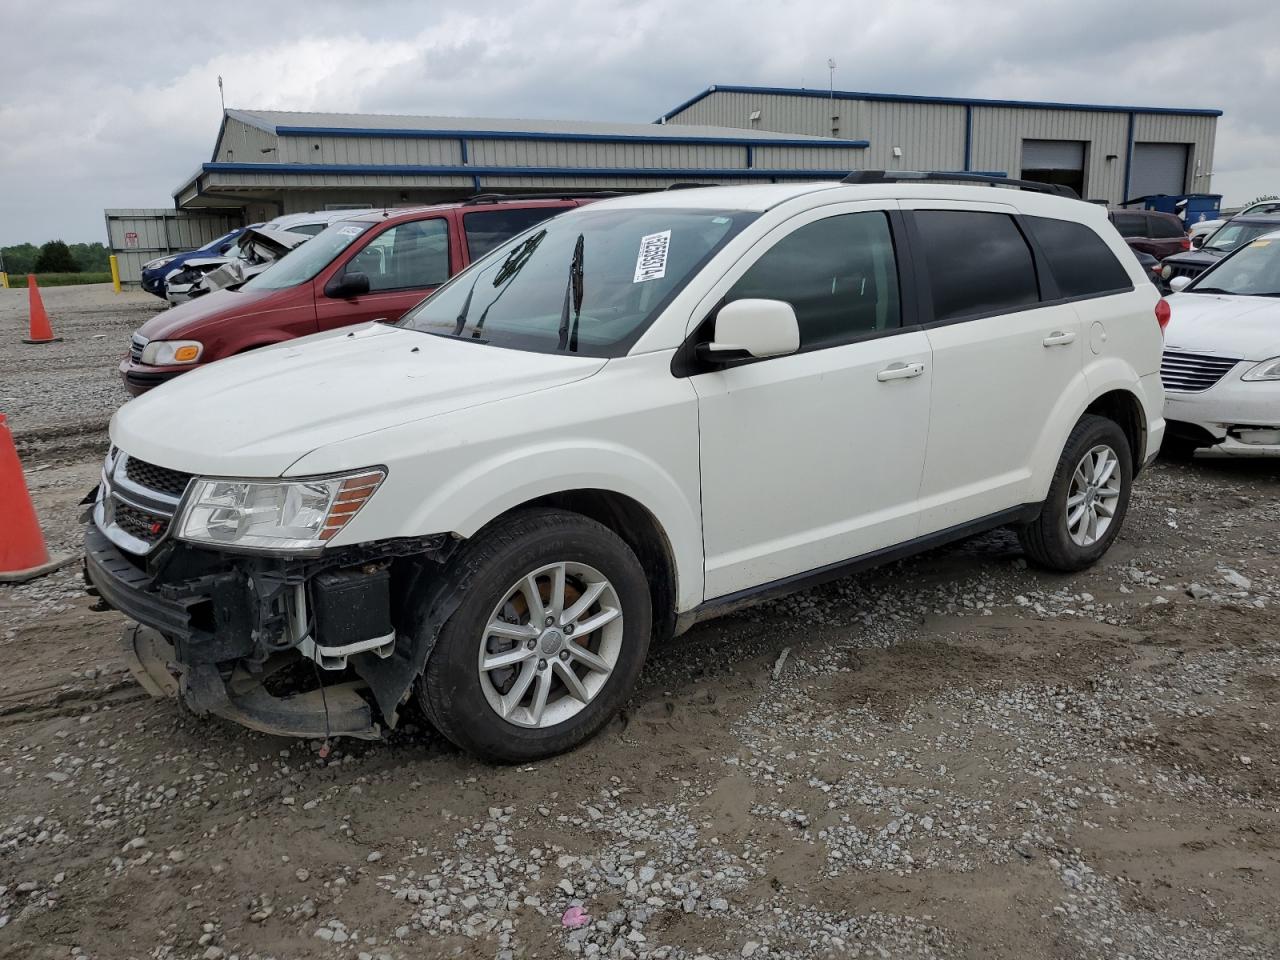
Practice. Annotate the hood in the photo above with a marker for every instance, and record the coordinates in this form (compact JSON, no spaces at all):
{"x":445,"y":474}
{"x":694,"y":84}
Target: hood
{"x":1229,"y":326}
{"x":186,"y":320}
{"x":258,"y":413}
{"x":1195,"y":258}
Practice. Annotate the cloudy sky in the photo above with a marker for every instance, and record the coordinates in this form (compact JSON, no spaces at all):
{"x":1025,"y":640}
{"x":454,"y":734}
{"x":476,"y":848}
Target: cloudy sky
{"x":110,"y":105}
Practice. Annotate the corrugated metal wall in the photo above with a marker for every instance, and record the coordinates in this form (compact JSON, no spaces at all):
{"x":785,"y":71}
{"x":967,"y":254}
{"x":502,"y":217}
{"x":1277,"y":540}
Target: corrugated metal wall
{"x":161,"y":231}
{"x":931,"y":136}
{"x":241,"y":143}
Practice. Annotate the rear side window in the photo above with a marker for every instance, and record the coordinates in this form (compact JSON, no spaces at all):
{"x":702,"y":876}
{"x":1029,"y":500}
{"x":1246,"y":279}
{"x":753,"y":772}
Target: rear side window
{"x":978,"y":263}
{"x":1166,"y":228}
{"x":486,"y":229}
{"x":839,"y":275}
{"x":310,"y":229}
{"x":1130,"y":224}
{"x":1081,"y":262}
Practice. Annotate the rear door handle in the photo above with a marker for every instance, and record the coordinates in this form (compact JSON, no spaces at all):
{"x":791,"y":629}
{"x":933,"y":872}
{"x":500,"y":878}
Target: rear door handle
{"x":900,"y":371}
{"x":1058,"y":339}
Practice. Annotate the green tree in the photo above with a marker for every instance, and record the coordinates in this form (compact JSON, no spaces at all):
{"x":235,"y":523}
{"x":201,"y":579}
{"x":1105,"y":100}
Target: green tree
{"x":55,"y":257}
{"x":92,"y":257}
{"x":19,"y":258}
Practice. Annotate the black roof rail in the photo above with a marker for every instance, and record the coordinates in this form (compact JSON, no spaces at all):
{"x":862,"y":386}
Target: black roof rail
{"x":938,"y":176}
{"x":689,"y":185}
{"x":561,"y":195}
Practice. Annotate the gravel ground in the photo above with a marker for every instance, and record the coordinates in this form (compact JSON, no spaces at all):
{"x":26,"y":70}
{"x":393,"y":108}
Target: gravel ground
{"x":953,"y":756}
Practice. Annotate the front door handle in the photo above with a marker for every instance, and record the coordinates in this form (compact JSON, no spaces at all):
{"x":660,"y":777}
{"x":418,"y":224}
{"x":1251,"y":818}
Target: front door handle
{"x":900,"y":371}
{"x":1058,"y":339}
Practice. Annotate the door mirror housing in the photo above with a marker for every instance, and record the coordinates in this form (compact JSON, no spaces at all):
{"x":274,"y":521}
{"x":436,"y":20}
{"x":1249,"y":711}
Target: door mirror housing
{"x":752,"y":329}
{"x":348,"y":286}
{"x":1198,"y":241}
{"x":1179,"y":283}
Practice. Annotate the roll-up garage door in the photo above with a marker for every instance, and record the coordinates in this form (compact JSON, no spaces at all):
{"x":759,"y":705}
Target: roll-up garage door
{"x":1052,"y":155}
{"x":1158,"y":168}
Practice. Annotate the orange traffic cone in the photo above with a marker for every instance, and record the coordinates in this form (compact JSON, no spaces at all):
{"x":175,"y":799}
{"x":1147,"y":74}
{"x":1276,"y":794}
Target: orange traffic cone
{"x":22,"y":551}
{"x":41,"y":332}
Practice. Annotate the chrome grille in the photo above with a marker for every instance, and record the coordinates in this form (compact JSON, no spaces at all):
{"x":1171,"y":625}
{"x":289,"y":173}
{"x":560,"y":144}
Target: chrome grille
{"x":136,"y":345}
{"x":1193,"y":372}
{"x":1185,"y":270}
{"x":172,"y":482}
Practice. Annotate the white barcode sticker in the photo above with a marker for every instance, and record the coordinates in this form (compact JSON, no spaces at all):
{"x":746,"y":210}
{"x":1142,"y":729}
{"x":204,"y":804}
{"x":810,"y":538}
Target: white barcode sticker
{"x":651,"y":263}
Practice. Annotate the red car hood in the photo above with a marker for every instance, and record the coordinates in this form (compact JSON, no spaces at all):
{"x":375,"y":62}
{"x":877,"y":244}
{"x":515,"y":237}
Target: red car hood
{"x":180,"y":322}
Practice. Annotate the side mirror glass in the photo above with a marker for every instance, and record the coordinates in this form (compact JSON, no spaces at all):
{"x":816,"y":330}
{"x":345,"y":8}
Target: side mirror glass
{"x":1198,"y":241}
{"x":348,"y":286}
{"x":752,"y":329}
{"x":1179,"y":283}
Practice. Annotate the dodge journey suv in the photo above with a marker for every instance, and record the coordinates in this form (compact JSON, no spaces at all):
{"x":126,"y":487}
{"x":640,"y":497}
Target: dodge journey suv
{"x":621,"y":421}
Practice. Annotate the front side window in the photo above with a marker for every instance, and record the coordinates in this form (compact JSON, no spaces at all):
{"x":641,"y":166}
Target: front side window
{"x":1234,"y":234}
{"x":1081,"y":262}
{"x":978,"y":263}
{"x":414,"y":254}
{"x":1166,"y":228}
{"x":1252,"y":271}
{"x":588,"y":282}
{"x":1131,"y":224}
{"x":304,"y":262}
{"x":839,"y":275}
{"x":485,"y":229}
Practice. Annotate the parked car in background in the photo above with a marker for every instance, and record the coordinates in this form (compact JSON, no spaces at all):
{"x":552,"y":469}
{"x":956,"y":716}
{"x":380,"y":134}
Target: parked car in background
{"x":1151,"y":231}
{"x":1230,"y":236}
{"x":369,"y":266}
{"x":183,"y":282}
{"x":1206,"y":227}
{"x":632,"y":417}
{"x":1151,"y":267}
{"x":257,"y":249}
{"x":1221,"y":366}
{"x":155,"y":271}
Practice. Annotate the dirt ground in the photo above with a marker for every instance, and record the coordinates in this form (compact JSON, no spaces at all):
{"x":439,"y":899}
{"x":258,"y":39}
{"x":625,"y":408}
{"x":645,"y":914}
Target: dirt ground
{"x":953,"y":756}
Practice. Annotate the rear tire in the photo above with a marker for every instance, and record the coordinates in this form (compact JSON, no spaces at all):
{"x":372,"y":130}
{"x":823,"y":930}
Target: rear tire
{"x":1088,"y":499}
{"x":528,"y":629}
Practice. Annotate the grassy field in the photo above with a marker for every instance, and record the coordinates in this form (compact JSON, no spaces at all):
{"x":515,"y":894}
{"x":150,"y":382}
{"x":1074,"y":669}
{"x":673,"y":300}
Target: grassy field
{"x":60,"y":279}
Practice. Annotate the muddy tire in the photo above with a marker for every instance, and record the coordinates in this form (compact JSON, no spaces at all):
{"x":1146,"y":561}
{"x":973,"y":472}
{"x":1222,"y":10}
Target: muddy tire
{"x":547,"y":641}
{"x":1088,"y":499}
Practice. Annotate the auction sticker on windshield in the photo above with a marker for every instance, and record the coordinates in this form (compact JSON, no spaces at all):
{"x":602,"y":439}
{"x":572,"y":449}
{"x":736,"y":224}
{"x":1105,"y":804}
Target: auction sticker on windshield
{"x":651,"y":263}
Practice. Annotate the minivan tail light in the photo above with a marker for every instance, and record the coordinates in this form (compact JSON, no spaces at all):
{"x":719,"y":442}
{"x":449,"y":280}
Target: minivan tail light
{"x":1163,"y":313}
{"x":1186,"y":243}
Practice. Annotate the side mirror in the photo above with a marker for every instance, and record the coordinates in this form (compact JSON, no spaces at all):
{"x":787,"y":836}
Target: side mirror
{"x":348,"y":286}
{"x":752,"y":328}
{"x":1179,"y":283}
{"x":1198,"y":241}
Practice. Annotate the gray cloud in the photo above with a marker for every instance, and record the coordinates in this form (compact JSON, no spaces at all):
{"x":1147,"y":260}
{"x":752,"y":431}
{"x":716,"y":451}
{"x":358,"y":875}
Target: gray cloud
{"x":104,"y":110}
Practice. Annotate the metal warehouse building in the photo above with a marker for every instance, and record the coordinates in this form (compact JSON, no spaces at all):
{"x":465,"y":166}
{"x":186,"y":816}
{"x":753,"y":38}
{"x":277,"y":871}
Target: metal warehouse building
{"x":1111,"y":153}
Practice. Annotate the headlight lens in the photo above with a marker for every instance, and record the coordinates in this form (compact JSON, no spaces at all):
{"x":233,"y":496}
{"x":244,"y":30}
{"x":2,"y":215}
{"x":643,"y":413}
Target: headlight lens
{"x":161,"y":353}
{"x":159,"y":262}
{"x":1166,"y":272}
{"x":275,"y":514}
{"x":1266,"y":370}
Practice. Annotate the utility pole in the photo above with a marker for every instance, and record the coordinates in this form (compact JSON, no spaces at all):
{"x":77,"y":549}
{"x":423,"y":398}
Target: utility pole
{"x":221,"y":96}
{"x":831,"y":95}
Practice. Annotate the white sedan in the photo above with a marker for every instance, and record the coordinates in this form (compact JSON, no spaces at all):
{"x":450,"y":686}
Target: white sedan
{"x":1221,"y":366}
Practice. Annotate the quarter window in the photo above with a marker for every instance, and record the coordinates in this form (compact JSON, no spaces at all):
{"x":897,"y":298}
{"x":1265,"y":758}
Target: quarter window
{"x":978,"y":263}
{"x":839,"y":275}
{"x":1081,"y":262}
{"x":1130,"y":224}
{"x":414,"y":254}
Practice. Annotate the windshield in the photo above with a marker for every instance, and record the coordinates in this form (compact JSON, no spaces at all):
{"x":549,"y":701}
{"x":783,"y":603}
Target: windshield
{"x":1253,"y":271}
{"x":1232,"y":235}
{"x":302,"y":263}
{"x":587,"y":282}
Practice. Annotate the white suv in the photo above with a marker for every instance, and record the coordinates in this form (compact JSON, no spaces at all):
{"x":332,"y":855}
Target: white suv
{"x":627,"y":419}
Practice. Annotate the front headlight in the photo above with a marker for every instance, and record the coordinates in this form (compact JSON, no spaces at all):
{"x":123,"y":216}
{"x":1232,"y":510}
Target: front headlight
{"x":275,"y":514}
{"x":1166,"y":272}
{"x":163,"y":353}
{"x":1266,"y":370}
{"x":159,"y":262}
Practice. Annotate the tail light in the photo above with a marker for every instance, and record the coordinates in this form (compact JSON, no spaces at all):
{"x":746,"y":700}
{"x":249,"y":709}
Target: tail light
{"x":1163,"y":313}
{"x":1186,"y":243}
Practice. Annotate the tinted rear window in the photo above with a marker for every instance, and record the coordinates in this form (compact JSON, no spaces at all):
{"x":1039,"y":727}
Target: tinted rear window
{"x":1081,"y":262}
{"x":1166,"y":228}
{"x":978,"y":263}
{"x":485,"y":229}
{"x":1130,"y":224}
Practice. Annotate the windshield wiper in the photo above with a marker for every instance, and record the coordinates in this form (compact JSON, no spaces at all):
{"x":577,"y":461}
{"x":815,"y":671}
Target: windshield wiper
{"x":572,"y":289}
{"x":1211,"y":290}
{"x":514,"y":263}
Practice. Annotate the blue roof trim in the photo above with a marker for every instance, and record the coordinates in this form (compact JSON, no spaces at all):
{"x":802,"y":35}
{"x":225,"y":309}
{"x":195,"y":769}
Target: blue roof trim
{"x":411,"y":133}
{"x":468,"y":170}
{"x":956,"y":101}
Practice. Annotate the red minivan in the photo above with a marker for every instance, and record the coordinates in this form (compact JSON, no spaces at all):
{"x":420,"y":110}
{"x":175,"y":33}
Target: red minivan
{"x":370,"y":266}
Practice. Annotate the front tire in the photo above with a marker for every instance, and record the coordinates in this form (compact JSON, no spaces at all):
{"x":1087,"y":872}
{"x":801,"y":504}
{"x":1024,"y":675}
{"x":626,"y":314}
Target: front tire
{"x":1088,"y":498}
{"x":547,"y":642}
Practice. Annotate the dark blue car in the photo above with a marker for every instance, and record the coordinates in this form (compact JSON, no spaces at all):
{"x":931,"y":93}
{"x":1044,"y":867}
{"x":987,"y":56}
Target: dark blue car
{"x":154,"y":272}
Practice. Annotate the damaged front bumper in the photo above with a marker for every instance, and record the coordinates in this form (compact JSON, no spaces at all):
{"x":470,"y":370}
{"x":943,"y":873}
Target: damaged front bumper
{"x":227,"y":633}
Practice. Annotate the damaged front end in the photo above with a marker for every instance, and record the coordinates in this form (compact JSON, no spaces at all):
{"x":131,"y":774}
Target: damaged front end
{"x":315,"y":646}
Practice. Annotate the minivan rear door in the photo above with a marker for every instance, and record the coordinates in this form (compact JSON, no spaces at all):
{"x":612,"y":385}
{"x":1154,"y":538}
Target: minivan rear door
{"x":403,"y":262}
